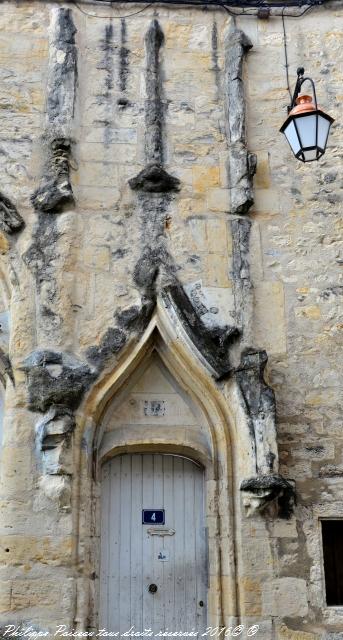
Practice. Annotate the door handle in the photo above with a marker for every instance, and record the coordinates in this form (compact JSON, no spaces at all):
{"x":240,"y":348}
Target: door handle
{"x":152,"y":588}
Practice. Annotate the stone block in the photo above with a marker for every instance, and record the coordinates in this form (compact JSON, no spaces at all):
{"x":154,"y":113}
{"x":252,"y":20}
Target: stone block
{"x":205,"y":178}
{"x":284,"y":633}
{"x":285,"y":597}
{"x":218,"y":200}
{"x":216,"y":272}
{"x":217,"y":236}
{"x":269,"y":312}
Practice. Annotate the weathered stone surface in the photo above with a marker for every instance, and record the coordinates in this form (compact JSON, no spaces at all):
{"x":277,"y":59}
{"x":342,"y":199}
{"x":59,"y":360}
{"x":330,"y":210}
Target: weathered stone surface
{"x":10,"y":220}
{"x":53,"y":434}
{"x":55,"y":378}
{"x":284,"y":633}
{"x":113,"y":341}
{"x":86,"y":282}
{"x":285,"y":595}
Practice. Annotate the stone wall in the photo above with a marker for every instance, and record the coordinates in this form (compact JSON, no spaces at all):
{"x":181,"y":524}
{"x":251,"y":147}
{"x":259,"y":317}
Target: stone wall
{"x":127,"y":157}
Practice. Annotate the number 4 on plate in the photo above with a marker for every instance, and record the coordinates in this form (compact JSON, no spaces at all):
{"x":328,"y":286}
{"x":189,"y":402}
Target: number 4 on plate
{"x":153,"y":516}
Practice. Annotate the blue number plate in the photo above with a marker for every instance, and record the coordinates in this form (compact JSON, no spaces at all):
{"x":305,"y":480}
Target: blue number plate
{"x":153,"y":516}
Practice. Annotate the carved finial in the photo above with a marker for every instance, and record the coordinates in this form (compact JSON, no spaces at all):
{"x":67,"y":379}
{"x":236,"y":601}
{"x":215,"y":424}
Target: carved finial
{"x":153,"y":178}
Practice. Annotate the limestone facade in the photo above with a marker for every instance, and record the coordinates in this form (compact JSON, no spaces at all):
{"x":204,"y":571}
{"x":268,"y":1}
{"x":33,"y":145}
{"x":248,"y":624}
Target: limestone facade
{"x":138,"y":248}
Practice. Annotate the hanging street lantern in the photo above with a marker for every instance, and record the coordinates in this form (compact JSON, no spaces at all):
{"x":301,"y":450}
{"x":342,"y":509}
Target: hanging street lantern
{"x":307,"y":127}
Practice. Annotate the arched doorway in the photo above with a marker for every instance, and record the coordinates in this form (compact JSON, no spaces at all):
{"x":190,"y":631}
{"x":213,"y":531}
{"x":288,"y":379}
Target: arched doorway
{"x":128,"y":412}
{"x":153,"y":569}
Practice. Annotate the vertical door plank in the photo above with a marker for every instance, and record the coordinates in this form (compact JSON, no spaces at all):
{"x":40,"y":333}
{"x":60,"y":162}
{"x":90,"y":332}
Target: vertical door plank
{"x":114,"y":536}
{"x":148,"y":561}
{"x":104,"y":545}
{"x":136,"y":544}
{"x":158,"y":597}
{"x":179,"y":510}
{"x":200,"y":550}
{"x":169,"y":544}
{"x":125,"y":547}
{"x":190,"y":559}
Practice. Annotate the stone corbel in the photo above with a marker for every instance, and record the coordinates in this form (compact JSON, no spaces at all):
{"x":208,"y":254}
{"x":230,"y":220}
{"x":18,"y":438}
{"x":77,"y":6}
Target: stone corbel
{"x":262,"y":492}
{"x":267,"y":487}
{"x":54,"y":433}
{"x":56,"y":385}
{"x":56,"y":379}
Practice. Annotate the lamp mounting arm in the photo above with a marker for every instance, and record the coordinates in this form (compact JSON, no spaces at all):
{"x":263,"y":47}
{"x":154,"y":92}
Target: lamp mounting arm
{"x":300,"y":81}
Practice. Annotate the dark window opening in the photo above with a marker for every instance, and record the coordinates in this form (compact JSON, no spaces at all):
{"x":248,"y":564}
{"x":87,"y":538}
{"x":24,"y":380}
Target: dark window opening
{"x":332,"y":533}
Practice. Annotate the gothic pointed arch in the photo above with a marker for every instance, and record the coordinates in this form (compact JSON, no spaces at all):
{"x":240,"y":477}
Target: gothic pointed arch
{"x":190,"y":363}
{"x":218,"y":439}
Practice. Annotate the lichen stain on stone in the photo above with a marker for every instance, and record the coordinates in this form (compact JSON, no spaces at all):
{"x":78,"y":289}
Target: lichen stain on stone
{"x":10,"y":220}
{"x":214,"y":51}
{"x":43,"y":252}
{"x":124,"y":57}
{"x":106,"y":64}
{"x":111,"y":343}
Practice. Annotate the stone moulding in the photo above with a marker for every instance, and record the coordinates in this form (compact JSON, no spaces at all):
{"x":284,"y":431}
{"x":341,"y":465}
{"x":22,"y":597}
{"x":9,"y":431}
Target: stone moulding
{"x":259,"y":402}
{"x":55,"y":188}
{"x":242,"y":285}
{"x":212,"y":344}
{"x":241,"y":163}
{"x":261,"y":491}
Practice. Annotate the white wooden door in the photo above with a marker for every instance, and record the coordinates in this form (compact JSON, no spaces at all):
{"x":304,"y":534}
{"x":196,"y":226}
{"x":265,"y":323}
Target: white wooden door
{"x":168,"y":558}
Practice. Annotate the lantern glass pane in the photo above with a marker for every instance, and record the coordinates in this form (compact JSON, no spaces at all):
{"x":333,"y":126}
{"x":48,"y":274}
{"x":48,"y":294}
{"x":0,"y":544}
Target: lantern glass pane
{"x":310,"y":154}
{"x":306,"y":126}
{"x":323,"y":131}
{"x":292,"y":137}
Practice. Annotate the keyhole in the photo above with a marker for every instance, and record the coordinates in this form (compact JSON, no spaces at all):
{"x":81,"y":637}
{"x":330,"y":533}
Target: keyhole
{"x":201,"y":603}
